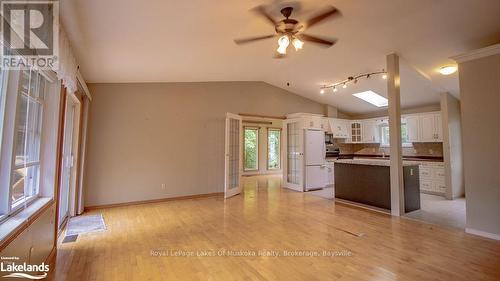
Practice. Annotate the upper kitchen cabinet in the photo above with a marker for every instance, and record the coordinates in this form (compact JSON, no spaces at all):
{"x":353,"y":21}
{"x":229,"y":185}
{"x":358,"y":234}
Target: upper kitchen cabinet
{"x":431,"y":129}
{"x":412,"y":128}
{"x":309,"y":120}
{"x":340,"y":128}
{"x":356,"y":132}
{"x":370,"y":131}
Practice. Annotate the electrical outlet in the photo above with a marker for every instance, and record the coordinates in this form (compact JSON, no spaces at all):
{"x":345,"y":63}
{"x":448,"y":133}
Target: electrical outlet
{"x":431,"y":151}
{"x":163,"y":186}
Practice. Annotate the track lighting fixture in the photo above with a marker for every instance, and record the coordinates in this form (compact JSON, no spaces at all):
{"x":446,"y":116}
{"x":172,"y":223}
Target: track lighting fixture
{"x":352,"y":79}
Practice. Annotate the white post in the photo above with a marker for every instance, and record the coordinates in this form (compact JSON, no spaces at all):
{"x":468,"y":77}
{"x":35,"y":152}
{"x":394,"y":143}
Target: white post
{"x":393,"y":93}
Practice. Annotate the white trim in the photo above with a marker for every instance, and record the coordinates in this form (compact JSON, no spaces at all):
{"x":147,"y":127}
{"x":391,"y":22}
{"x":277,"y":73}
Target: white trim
{"x":482,"y":233}
{"x":477,"y":54}
{"x":81,"y":81}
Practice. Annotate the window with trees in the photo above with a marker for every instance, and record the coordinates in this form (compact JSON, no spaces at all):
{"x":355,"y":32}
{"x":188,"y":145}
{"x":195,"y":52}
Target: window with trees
{"x":28,"y":129}
{"x":385,"y":137}
{"x":273,"y":149}
{"x":22,"y":99}
{"x":251,"y":149}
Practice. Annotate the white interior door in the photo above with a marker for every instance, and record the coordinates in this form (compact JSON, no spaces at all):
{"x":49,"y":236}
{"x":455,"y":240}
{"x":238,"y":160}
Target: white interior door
{"x":233,"y":155}
{"x":294,"y":148}
{"x":67,"y":165}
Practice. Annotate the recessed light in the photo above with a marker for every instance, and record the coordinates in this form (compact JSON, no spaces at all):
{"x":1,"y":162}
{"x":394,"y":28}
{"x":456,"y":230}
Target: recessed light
{"x":447,"y":70}
{"x":372,"y":98}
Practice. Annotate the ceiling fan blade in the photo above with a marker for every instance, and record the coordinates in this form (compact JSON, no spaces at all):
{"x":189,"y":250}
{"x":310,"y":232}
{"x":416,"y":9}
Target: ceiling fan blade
{"x":252,"y":39}
{"x":331,"y":11}
{"x":261,"y":10}
{"x":317,"y":40}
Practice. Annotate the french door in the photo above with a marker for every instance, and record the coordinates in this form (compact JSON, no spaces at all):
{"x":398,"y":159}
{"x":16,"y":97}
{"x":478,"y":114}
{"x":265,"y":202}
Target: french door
{"x":233,"y":155}
{"x":67,"y":162}
{"x":293,"y":170}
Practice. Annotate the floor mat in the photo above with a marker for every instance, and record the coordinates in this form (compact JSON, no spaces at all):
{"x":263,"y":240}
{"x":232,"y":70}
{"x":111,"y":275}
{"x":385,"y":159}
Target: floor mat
{"x":85,"y":224}
{"x":69,"y":239}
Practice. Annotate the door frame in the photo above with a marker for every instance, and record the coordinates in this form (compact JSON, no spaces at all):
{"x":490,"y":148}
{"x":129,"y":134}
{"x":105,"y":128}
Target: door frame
{"x":71,"y":100}
{"x":237,"y":190}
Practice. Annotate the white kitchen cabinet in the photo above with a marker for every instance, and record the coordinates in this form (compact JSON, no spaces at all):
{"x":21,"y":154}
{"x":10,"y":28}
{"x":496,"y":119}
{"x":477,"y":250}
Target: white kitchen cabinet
{"x":340,"y":128}
{"x":356,"y":132}
{"x":432,"y":178}
{"x":370,"y":131}
{"x":313,"y":122}
{"x":412,"y":128}
{"x":431,"y":129}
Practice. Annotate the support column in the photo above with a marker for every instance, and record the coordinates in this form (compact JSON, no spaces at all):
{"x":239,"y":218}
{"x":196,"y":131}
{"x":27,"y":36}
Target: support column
{"x":393,"y":94}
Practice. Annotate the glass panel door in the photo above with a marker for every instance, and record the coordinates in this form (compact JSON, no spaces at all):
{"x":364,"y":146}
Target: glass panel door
{"x":294,"y":155}
{"x":233,"y":155}
{"x":67,"y":158}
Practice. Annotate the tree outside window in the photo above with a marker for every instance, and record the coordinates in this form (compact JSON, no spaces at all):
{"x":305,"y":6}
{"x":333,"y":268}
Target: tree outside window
{"x":251,"y":149}
{"x":273,"y":149}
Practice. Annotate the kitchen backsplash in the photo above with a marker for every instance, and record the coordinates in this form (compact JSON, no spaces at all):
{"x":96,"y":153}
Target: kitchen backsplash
{"x":434,"y":149}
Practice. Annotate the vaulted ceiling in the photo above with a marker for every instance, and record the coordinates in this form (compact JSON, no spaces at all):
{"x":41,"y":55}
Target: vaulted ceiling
{"x":186,"y":41}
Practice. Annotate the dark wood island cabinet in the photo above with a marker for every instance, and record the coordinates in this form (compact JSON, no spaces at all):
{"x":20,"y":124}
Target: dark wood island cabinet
{"x":368,"y":182}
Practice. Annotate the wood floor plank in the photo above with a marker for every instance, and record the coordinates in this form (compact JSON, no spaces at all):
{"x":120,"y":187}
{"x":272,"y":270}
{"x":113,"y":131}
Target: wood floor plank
{"x":267,"y":217}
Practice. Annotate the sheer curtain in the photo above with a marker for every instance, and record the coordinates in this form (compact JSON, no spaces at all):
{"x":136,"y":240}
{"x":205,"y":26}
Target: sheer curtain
{"x":66,"y":66}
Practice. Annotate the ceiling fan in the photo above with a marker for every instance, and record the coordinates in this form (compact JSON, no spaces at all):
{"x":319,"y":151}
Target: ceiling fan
{"x":291,"y":30}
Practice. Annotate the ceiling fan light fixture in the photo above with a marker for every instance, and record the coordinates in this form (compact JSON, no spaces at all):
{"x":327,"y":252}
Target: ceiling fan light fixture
{"x":297,"y":44}
{"x":283,"y":43}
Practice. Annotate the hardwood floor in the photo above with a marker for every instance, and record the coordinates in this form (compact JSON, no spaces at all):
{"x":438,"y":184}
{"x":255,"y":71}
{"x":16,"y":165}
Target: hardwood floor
{"x":140,"y":241}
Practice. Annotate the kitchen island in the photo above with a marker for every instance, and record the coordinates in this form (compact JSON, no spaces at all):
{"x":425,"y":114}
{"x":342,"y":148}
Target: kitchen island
{"x":368,"y":181}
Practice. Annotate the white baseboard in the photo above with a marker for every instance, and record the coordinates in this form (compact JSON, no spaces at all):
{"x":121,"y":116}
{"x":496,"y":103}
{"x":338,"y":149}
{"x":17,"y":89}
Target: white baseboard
{"x":482,"y":233}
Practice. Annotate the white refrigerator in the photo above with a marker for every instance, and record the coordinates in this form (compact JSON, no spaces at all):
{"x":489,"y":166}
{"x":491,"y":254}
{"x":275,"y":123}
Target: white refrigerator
{"x":316,"y":171}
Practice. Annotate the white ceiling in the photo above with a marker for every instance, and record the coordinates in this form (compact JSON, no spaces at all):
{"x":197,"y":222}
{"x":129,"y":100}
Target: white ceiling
{"x":185,"y":41}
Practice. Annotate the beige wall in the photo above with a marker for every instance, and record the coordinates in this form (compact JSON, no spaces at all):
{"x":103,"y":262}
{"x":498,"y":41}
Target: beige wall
{"x":480,"y":101}
{"x":144,"y":135}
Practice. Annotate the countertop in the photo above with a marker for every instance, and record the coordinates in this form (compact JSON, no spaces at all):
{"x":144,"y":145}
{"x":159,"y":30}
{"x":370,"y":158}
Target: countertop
{"x":374,"y":162}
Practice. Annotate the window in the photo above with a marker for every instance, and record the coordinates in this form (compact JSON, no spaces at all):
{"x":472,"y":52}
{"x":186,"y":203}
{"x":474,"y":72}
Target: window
{"x":273,"y":149}
{"x":385,"y":138}
{"x":251,"y":149}
{"x":26,"y":170}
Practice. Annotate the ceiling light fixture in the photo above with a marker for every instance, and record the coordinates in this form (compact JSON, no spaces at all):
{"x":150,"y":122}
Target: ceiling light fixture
{"x":297,"y":44}
{"x":448,"y":70}
{"x":352,"y":79}
{"x":283,"y":43}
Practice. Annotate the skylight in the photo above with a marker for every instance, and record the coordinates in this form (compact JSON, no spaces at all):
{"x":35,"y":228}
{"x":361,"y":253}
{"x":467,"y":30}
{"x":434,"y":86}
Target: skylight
{"x":373,"y":98}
